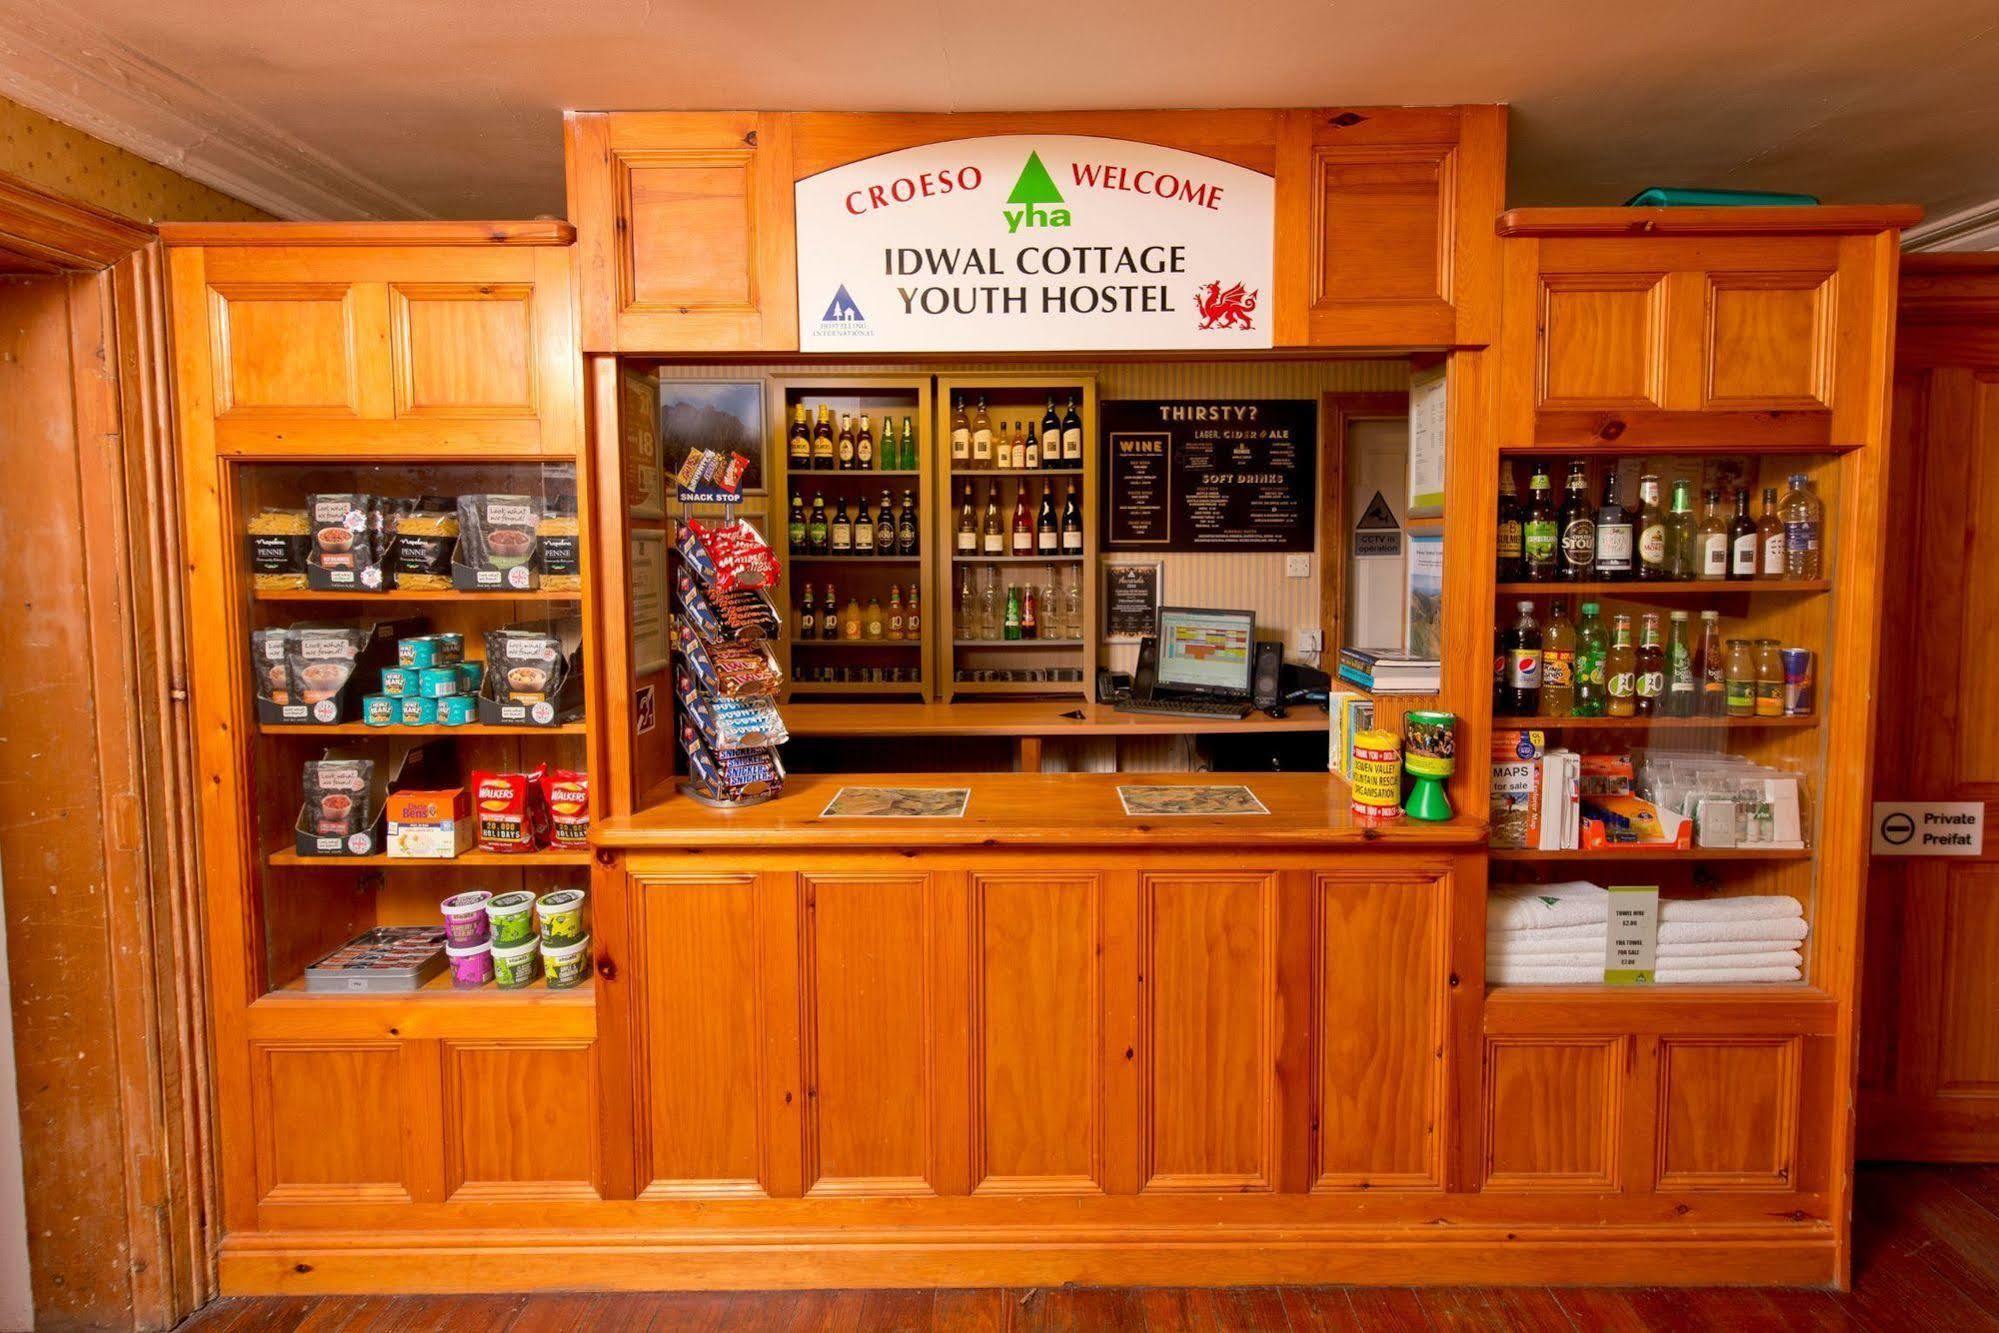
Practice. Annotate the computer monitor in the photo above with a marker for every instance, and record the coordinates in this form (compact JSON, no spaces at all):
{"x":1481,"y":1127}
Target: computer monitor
{"x":1205,"y":650}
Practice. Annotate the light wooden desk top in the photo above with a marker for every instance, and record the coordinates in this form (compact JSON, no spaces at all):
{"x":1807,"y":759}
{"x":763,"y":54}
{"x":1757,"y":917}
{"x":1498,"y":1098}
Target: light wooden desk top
{"x":1035,"y":717}
{"x":1052,"y":810}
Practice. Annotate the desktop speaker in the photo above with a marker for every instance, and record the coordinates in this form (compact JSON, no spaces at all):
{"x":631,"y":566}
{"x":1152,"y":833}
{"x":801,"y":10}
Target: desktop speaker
{"x":1265,"y":683}
{"x":1147,"y":671}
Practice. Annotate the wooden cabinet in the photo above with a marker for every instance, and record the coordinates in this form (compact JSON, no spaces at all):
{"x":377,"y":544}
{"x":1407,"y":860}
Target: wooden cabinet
{"x":1691,"y":327}
{"x":685,"y":227}
{"x":1383,"y":215}
{"x":298,"y":342}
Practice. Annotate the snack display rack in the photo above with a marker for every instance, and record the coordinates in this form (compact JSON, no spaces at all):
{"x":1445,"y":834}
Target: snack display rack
{"x":725,"y":678}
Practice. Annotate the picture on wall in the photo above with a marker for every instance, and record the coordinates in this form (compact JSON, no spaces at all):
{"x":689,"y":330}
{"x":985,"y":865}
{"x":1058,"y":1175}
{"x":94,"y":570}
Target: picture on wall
{"x":724,"y":415}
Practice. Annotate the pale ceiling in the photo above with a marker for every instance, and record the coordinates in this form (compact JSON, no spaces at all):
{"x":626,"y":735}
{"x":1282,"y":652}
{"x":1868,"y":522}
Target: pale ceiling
{"x":422,"y":107}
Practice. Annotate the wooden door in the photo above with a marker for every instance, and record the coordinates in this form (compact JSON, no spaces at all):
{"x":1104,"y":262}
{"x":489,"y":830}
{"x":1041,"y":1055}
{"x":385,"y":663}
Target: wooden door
{"x":1930,"y":1056}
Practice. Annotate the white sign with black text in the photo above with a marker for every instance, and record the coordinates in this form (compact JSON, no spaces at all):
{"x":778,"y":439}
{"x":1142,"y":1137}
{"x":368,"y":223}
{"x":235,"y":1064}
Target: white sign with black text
{"x":1034,"y":242}
{"x":1929,"y":828}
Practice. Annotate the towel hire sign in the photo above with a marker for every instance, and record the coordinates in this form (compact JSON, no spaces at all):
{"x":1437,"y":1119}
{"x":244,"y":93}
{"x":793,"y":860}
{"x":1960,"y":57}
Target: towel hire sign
{"x":1034,"y":243}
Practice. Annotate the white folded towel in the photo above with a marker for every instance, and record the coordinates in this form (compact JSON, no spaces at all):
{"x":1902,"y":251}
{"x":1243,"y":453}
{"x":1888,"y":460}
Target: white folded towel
{"x":1681,"y":963}
{"x":1564,"y":936}
{"x":1512,"y":946}
{"x":1748,"y":908}
{"x":1516,"y":974}
{"x":1754,"y":930}
{"x":1522,"y":907}
{"x":1722,"y":976}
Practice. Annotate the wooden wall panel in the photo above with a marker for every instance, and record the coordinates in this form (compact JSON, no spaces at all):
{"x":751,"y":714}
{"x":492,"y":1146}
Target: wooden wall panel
{"x":332,"y":1121}
{"x":290,"y":349}
{"x":701,"y":1084}
{"x":1208,"y":977}
{"x":1728,"y":1113}
{"x":870,"y":1014}
{"x":1037,"y":1006}
{"x":1384,"y":956}
{"x":463,"y":349}
{"x":1552,"y":1113}
{"x":1769,"y":340}
{"x":1967,"y":1035}
{"x":520,"y":1119}
{"x":1604,"y":340}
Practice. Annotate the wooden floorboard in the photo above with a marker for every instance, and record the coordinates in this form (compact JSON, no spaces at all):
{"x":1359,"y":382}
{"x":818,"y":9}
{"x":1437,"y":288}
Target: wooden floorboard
{"x":1926,"y":1242}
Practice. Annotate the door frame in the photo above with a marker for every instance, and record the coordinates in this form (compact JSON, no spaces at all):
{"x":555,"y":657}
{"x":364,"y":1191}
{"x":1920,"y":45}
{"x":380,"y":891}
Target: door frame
{"x":139,"y":1254}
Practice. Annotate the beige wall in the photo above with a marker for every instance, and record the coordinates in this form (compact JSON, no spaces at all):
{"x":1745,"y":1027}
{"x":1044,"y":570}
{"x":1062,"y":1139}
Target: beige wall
{"x":69,"y":162}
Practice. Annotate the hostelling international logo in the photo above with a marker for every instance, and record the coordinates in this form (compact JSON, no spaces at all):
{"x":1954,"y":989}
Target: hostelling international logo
{"x":843,"y":316}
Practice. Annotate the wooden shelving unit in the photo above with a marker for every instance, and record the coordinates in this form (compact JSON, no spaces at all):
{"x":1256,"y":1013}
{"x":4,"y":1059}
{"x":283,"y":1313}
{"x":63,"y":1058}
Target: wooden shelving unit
{"x":1014,"y":398}
{"x":891,"y":397}
{"x":473,"y":859}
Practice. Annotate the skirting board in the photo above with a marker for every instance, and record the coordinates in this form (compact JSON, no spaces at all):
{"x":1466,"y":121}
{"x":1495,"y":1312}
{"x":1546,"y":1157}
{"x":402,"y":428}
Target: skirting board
{"x":295,"y":1265}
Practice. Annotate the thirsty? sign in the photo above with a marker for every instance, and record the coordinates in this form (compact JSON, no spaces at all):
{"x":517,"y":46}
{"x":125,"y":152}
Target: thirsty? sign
{"x":1929,"y":828}
{"x":1034,"y":242}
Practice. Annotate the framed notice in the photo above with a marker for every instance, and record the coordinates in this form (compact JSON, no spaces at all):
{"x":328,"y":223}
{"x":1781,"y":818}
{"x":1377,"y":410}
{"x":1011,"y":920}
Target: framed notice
{"x":1426,"y":443}
{"x":638,"y":425}
{"x":650,"y":649}
{"x":1131,"y":600}
{"x":1210,"y":474}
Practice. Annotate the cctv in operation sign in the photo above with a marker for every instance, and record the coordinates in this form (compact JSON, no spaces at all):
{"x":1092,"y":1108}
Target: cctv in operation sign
{"x":1043,"y":242}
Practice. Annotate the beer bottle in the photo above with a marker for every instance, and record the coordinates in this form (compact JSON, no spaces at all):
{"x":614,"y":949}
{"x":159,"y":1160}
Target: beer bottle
{"x":906,"y":536}
{"x":822,"y":441}
{"x":1620,"y":671}
{"x":864,"y":529}
{"x":1742,"y":539}
{"x":864,"y":445}
{"x":908,"y":461}
{"x":1681,"y":691}
{"x":798,"y":450}
{"x":808,"y":619}
{"x":1590,"y":651}
{"x":846,"y":443}
{"x":885,"y":528}
{"x":1680,"y":532}
{"x":843,"y":530}
{"x":1508,"y":553}
{"x":1523,"y":664}
{"x":818,"y":535}
{"x":1539,"y":538}
{"x":1651,"y":529}
{"x":1613,"y":534}
{"x":796,"y":528}
{"x":1558,"y":662}
{"x":895,"y":611}
{"x":829,"y":615}
{"x":1578,"y":530}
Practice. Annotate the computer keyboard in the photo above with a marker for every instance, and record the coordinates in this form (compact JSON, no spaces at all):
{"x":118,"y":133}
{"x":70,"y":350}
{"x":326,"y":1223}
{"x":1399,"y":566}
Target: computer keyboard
{"x":1185,"y":707}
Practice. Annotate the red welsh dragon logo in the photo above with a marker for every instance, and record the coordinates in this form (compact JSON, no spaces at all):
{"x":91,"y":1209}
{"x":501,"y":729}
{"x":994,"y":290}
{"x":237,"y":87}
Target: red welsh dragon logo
{"x":1222,"y":308}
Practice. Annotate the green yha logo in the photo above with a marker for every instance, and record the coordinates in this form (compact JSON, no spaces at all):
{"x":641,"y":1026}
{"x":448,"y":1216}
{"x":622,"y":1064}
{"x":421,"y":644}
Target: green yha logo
{"x":1028,"y":205}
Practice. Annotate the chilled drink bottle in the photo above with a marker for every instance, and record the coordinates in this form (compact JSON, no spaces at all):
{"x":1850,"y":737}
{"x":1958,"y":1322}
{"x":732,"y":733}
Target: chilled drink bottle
{"x":1711,"y":540}
{"x":1681,"y":688}
{"x":1680,"y":532}
{"x":1804,"y":523}
{"x":1711,"y":667}
{"x":1540,"y":535}
{"x":1620,"y":670}
{"x":1558,"y":662}
{"x":1508,"y":552}
{"x":1651,"y":529}
{"x":1578,"y":561}
{"x":1613,"y":534}
{"x":1523,"y":664}
{"x":1651,"y":665}
{"x":1590,"y":650}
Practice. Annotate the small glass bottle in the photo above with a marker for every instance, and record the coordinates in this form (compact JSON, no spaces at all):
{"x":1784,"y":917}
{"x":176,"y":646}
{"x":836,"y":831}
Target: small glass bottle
{"x":1741,"y":678}
{"x":1769,"y":679}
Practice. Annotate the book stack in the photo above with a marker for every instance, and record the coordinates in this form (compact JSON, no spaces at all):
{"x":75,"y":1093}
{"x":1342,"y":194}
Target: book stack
{"x":1390,"y":671}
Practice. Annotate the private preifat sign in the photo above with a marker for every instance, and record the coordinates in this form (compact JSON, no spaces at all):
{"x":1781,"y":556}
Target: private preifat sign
{"x":1041,"y":242}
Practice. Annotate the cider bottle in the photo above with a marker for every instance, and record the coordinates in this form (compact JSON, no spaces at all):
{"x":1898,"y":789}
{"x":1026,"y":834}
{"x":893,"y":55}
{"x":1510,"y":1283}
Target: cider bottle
{"x":1558,"y":662}
{"x":1508,"y":552}
{"x":1680,"y":685}
{"x":1540,"y":536}
{"x":1651,"y":664}
{"x":1620,"y":671}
